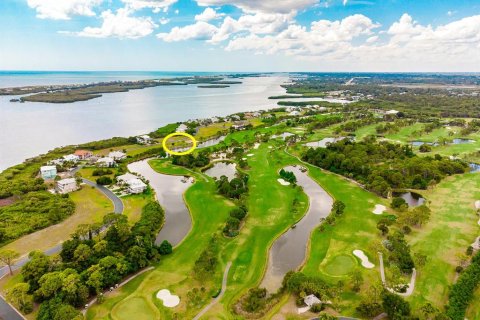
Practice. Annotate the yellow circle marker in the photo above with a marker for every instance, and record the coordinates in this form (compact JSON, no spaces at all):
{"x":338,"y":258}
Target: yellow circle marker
{"x":183,"y":134}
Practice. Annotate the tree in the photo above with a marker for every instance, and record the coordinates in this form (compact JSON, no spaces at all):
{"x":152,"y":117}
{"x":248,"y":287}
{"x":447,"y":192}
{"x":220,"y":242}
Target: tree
{"x":8,"y":257}
{"x":19,"y":296}
{"x":399,"y":203}
{"x":395,"y":306}
{"x":165,"y":248}
{"x":357,"y":280}
{"x":34,"y":269}
{"x":338,"y":207}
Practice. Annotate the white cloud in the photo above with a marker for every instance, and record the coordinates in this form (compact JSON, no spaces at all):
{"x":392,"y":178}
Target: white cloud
{"x":164,"y":21}
{"x":407,"y":45}
{"x":63,"y":9}
{"x":152,"y":4}
{"x":120,"y":25}
{"x":268,"y":6}
{"x":208,"y":14}
{"x":198,"y":31}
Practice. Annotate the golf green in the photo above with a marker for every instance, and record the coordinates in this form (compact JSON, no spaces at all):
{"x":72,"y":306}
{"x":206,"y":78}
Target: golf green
{"x":339,"y":265}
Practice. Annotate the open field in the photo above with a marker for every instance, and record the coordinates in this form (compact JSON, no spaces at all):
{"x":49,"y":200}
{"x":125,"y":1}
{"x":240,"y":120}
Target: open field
{"x":91,"y":206}
{"x":134,"y":203}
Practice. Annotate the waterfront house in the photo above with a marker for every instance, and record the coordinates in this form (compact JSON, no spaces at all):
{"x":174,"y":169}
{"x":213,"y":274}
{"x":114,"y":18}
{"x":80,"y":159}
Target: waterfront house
{"x":66,"y":185}
{"x":105,"y":162}
{"x":71,"y":158}
{"x":83,"y":154}
{"x":125,"y":178}
{"x":136,"y":186}
{"x":117,"y":155}
{"x":310,"y":300}
{"x":48,"y":172}
{"x":182,"y":128}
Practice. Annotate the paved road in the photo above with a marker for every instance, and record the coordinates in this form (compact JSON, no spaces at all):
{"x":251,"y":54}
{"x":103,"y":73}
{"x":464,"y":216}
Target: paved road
{"x":6,"y":311}
{"x":222,"y":292}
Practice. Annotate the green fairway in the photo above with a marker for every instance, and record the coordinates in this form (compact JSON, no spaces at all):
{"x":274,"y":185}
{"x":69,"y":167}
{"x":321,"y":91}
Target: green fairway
{"x":340,"y":265}
{"x":452,"y":228}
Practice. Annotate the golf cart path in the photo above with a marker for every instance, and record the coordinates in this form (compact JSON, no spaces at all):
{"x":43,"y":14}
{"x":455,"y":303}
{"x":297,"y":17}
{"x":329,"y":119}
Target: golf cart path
{"x":215,"y":300}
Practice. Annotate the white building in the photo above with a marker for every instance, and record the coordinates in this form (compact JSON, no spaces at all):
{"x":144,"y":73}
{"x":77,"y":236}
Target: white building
{"x":71,"y":158}
{"x":124,"y":178}
{"x":144,"y":139}
{"x":182,"y":128}
{"x":48,"y":172}
{"x":294,"y":113}
{"x":310,"y":300}
{"x":136,"y":186}
{"x":105,"y":162}
{"x":66,"y":185}
{"x":392,"y":112}
{"x":117,"y":155}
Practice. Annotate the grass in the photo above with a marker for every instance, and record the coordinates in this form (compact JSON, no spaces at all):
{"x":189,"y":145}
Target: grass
{"x":340,"y":265}
{"x":87,"y":173}
{"x":452,"y":228}
{"x":212,"y":130}
{"x":134,"y":203}
{"x":91,"y":206}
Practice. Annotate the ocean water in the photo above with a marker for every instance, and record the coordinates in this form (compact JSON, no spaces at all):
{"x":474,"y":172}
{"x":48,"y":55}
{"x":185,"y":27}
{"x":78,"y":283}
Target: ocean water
{"x":28,"y":129}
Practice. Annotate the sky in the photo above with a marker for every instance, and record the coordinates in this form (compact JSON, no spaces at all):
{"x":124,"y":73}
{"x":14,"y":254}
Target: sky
{"x":241,"y":35}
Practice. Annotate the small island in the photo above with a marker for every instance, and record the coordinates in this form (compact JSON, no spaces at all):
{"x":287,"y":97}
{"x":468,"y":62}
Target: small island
{"x":213,"y":86}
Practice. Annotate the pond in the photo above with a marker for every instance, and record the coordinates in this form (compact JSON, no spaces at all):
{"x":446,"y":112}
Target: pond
{"x":169,"y":192}
{"x":283,"y":135}
{"x":219,"y":169}
{"x":474,"y":167}
{"x":413,"y":199}
{"x":462,"y":141}
{"x":323,"y":143}
{"x":204,"y":144}
{"x":289,"y":250}
{"x":419,"y":143}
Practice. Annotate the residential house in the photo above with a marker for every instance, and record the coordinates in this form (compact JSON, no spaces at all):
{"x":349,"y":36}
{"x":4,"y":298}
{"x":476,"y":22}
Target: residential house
{"x":83,"y":154}
{"x":392,"y":112}
{"x":117,"y":155}
{"x":240,"y":125}
{"x":144,"y":139}
{"x":136,"y":186}
{"x":105,"y":162}
{"x":48,"y":172}
{"x":66,"y":185}
{"x":294,"y":113}
{"x":310,"y":300}
{"x":182,"y":128}
{"x":71,"y":158}
{"x":124,"y":178}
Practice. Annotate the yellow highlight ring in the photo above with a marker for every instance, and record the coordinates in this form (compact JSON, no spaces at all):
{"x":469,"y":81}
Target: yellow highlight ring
{"x":183,"y":134}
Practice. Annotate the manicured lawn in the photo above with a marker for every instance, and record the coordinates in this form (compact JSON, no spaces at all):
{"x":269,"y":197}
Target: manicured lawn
{"x":451,"y":229}
{"x":135,"y":308}
{"x":340,"y":265}
{"x":212,"y":130}
{"x":406,"y":134}
{"x":87,"y":173}
{"x":91,"y":206}
{"x":365,"y":131}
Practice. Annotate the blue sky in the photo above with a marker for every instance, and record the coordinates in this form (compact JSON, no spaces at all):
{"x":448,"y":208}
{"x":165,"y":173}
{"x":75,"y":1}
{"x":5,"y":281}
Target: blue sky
{"x":240,"y":35}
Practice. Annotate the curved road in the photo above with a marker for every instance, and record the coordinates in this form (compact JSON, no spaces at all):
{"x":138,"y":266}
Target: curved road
{"x":9,"y":313}
{"x":222,"y":292}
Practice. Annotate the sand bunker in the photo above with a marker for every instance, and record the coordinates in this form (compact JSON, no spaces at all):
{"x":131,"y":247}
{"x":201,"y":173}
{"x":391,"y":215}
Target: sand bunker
{"x":283,"y":182}
{"x":365,"y":262}
{"x":379,"y":209}
{"x":250,"y":155}
{"x":169,"y":300}
{"x":270,"y":147}
{"x":256,"y":145}
{"x":477,"y":204}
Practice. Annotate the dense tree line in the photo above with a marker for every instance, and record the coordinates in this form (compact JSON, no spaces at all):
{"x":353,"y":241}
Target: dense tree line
{"x":288,"y":176}
{"x":88,"y":265}
{"x":190,"y":161}
{"x":236,"y":216}
{"x":382,"y":166}
{"x":234,"y":188}
{"x":462,"y":292}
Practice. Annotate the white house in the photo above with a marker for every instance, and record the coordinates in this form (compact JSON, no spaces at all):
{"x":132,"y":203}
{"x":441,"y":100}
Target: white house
{"x":48,"y":172}
{"x":66,"y":185}
{"x":310,"y":300}
{"x":144,"y":139}
{"x":294,"y":113}
{"x":117,"y":155}
{"x":392,"y":112}
{"x":71,"y":158}
{"x":105,"y":162}
{"x":124,"y":178}
{"x":136,"y":186}
{"x":182,"y":128}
